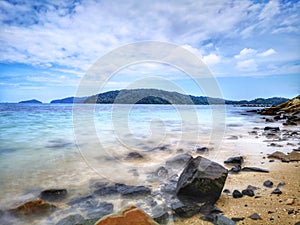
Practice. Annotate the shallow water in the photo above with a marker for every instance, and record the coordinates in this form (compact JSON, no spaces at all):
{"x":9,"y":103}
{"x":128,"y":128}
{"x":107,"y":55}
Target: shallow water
{"x":66,"y":146}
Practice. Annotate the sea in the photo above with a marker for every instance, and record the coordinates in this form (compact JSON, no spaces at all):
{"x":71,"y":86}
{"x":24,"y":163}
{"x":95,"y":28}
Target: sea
{"x":44,"y":146}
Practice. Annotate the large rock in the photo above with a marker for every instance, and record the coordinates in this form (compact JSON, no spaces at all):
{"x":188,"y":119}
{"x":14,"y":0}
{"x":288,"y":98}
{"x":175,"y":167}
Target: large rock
{"x":129,"y":216}
{"x":202,"y":181}
{"x":289,"y":107}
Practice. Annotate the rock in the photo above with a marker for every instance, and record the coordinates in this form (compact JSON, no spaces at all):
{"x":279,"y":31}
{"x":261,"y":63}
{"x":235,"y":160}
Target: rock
{"x":202,"y":150}
{"x":235,"y":169}
{"x":71,"y":220}
{"x":160,"y":215}
{"x":290,"y":201}
{"x":255,"y":169}
{"x":161,"y":172}
{"x":227,"y":191}
{"x":106,"y":190}
{"x":129,"y":216}
{"x":291,"y":211}
{"x":169,"y":188}
{"x":208,"y":209}
{"x":255,"y":216}
{"x":275,"y":145}
{"x":101,"y":210}
{"x":130,"y":191}
{"x":281,"y":184}
{"x":277,"y":191}
{"x":233,"y":137}
{"x":253,"y":188}
{"x":237,"y":219}
{"x":269,"y":120}
{"x":293,"y":156}
{"x":179,"y":161}
{"x":277,"y":155}
{"x":236,"y":160}
{"x":201,"y":180}
{"x":222,"y":220}
{"x":80,"y":200}
{"x":33,"y":208}
{"x":248,"y":192}
{"x":274,"y":129}
{"x":53,"y":194}
{"x":134,"y":155}
{"x":237,"y":194}
{"x":268,"y":184}
{"x":185,"y":210}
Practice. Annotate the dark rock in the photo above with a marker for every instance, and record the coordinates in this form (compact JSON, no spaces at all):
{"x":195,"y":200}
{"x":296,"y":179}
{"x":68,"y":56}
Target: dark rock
{"x":201,"y":180}
{"x":254,"y":132}
{"x":281,"y":184}
{"x":179,"y":161}
{"x":237,"y":219}
{"x":185,"y":210}
{"x":253,"y":188}
{"x":53,"y":194}
{"x":208,"y":209}
{"x":236,"y":160}
{"x":103,"y":209}
{"x":277,"y":191}
{"x":71,"y":220}
{"x":160,"y":215}
{"x":227,"y":191}
{"x":235,"y":169}
{"x":233,"y":137}
{"x":291,"y":211}
{"x":134,"y":155}
{"x":248,"y":192}
{"x":275,"y":145}
{"x":269,"y":120}
{"x":237,"y":194}
{"x":268,"y":184}
{"x":161,"y":172}
{"x":202,"y":150}
{"x":272,"y":129}
{"x":106,"y":190}
{"x":255,"y":169}
{"x":130,"y":191}
{"x":255,"y":216}
{"x":218,"y":219}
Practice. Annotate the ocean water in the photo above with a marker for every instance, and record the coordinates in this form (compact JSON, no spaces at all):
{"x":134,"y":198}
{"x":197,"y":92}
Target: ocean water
{"x":67,"y":146}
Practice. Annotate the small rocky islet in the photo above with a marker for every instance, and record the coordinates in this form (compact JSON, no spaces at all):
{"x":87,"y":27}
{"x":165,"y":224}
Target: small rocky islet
{"x":190,"y":187}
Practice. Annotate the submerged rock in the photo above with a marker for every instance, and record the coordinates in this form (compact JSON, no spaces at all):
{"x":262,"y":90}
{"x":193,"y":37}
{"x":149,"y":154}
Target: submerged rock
{"x":71,"y":220}
{"x":129,"y":216}
{"x":202,"y":181}
{"x":53,"y":194}
{"x":123,"y":189}
{"x":33,"y":208}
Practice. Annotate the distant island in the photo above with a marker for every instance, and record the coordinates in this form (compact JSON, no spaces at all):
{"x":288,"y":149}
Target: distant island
{"x":32,"y":101}
{"x":156,"y":96}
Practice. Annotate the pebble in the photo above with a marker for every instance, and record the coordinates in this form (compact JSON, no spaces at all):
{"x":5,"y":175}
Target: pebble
{"x":290,"y":201}
{"x":268,"y":183}
{"x":248,"y":192}
{"x":255,"y":216}
{"x":276,"y":191}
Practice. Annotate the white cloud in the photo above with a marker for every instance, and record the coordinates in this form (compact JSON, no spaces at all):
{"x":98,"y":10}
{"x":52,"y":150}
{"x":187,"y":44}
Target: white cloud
{"x":247,"y":65}
{"x":245,"y":53}
{"x":269,"y":52}
{"x":212,"y":59}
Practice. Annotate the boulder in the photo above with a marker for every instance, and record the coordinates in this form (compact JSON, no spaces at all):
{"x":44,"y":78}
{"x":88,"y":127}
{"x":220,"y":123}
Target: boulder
{"x":201,"y":180}
{"x":53,"y":194}
{"x":33,"y":208}
{"x":129,"y":216}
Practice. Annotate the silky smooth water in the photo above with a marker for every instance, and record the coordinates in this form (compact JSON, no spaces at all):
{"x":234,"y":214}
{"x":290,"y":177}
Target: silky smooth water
{"x":61,"y":145}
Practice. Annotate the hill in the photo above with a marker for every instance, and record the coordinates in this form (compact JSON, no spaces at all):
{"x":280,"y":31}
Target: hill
{"x":32,"y":101}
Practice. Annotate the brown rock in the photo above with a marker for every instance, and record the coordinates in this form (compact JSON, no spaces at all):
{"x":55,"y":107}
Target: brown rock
{"x":277,"y":155}
{"x":36,"y":208}
{"x":293,"y":156}
{"x":129,"y":216}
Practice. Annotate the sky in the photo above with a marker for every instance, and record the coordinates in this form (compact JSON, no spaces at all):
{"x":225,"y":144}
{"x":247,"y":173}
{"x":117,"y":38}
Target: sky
{"x":252,"y":48}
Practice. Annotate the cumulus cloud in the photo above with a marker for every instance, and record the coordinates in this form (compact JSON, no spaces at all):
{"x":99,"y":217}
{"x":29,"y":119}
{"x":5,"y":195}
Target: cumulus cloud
{"x":245,"y":53}
{"x":269,"y":52}
{"x":212,"y":59}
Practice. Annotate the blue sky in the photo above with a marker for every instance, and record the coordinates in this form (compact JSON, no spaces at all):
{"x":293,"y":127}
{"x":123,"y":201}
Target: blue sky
{"x":251,"y":47}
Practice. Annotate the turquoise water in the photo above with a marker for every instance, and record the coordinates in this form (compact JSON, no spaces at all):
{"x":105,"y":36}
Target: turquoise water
{"x":50,"y":146}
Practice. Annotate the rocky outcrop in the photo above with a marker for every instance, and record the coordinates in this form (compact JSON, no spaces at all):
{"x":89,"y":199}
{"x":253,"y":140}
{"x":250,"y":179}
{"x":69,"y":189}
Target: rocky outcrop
{"x":129,"y":216}
{"x":289,"y":107}
{"x":202,"y":181}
